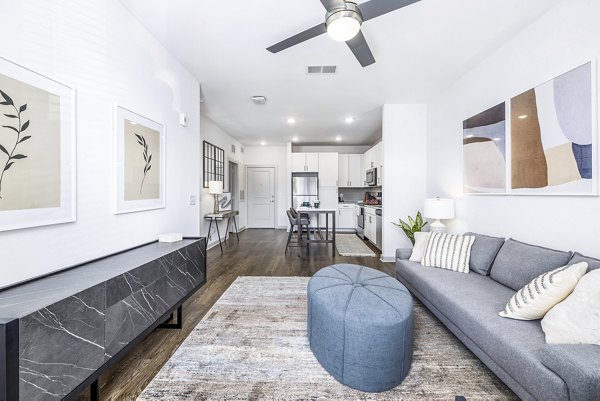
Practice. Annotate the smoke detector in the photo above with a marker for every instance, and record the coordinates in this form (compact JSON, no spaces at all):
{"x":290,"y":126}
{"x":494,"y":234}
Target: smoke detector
{"x":259,"y":99}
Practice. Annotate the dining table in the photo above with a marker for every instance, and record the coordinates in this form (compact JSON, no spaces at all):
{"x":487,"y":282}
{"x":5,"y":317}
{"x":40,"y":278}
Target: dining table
{"x":319,"y":238}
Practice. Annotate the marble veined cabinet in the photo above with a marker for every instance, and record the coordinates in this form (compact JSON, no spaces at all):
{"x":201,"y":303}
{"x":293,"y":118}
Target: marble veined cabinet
{"x":58,"y":333}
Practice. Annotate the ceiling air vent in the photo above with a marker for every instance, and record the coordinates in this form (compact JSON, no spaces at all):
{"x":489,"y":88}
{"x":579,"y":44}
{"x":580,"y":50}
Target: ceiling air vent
{"x":321,"y":69}
{"x":232,"y":148}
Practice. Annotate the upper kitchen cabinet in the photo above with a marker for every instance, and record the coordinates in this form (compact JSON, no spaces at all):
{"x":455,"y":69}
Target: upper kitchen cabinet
{"x":350,"y":171}
{"x":328,"y":169}
{"x":305,"y":162}
{"x":373,"y":159}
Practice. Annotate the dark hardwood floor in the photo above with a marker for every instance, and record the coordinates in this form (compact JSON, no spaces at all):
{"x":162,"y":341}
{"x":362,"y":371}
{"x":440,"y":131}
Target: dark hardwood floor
{"x":258,"y":253}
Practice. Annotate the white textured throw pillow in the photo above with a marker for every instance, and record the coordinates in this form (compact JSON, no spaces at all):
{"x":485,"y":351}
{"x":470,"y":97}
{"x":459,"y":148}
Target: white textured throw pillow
{"x":543,"y":292}
{"x":448,"y":251}
{"x":420,"y":245}
{"x":576,"y":320}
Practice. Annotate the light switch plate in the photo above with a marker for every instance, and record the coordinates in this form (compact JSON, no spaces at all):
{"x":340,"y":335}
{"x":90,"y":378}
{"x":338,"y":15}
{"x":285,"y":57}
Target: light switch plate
{"x":192,"y":200}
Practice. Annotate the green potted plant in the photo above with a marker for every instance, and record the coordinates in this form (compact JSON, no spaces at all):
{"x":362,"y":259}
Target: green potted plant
{"x":413,"y":226}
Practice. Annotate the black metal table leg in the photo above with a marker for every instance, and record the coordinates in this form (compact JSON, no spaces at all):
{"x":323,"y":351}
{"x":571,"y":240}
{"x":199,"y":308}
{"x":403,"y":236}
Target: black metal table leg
{"x":236,"y":229}
{"x":177,"y":325}
{"x":209,"y":227}
{"x":219,"y":235}
{"x":326,"y":226}
{"x":95,"y":391}
{"x":333,"y":221}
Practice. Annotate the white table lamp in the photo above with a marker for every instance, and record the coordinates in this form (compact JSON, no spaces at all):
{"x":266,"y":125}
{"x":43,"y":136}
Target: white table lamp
{"x":438,"y":209}
{"x":215,"y":188}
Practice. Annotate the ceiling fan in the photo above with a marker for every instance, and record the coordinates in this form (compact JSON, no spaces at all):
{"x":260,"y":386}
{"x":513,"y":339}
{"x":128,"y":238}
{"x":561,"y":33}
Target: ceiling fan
{"x":342,"y":22}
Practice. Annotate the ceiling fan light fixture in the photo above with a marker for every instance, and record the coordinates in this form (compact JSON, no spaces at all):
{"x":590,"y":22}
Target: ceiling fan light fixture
{"x":344,"y":23}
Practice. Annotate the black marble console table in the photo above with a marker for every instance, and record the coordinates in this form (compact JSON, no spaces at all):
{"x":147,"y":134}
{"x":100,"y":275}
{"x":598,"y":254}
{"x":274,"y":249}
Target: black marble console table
{"x":59,"y":333}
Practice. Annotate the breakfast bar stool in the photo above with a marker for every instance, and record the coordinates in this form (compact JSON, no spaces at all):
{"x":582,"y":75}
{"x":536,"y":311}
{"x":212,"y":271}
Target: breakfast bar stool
{"x":296,"y":222}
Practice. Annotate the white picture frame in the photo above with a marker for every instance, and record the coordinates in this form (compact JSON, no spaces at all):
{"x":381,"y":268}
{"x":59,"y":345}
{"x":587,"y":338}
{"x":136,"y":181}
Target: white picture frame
{"x":46,"y":190}
{"x":127,"y":123}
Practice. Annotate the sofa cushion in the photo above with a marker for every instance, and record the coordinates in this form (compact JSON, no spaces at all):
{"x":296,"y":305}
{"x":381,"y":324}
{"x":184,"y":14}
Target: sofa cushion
{"x":534,"y":300}
{"x":592,"y":263}
{"x":518,"y":263}
{"x":483,"y":252}
{"x":472,"y":303}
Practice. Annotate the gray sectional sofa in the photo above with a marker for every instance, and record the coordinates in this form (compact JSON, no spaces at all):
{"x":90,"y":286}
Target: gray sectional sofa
{"x":516,"y":351}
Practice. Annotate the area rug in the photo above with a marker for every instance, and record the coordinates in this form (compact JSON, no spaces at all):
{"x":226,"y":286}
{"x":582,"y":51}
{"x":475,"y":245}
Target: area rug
{"x":351,"y":245}
{"x":252,"y":345}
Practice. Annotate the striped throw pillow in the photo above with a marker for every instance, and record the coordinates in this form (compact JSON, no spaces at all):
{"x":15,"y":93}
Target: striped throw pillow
{"x":448,"y":251}
{"x":544,"y":292}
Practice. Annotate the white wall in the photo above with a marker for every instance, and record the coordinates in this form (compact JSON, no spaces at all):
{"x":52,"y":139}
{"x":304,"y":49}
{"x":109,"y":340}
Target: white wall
{"x":97,"y":47}
{"x":565,"y":37}
{"x":217,"y":136}
{"x":262,"y":156}
{"x":404,"y":177}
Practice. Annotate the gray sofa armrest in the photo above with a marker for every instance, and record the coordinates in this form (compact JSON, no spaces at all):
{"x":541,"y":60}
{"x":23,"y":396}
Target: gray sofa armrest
{"x":578,"y":365}
{"x":403,"y":253}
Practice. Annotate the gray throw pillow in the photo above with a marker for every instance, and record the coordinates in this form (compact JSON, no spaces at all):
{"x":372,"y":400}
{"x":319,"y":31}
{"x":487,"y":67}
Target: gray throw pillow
{"x":592,"y":263}
{"x":517,"y":263}
{"x":484,"y":252}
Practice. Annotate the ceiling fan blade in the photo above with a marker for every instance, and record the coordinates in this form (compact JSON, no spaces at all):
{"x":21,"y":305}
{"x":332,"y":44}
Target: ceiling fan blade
{"x":360,"y":48}
{"x":331,"y":4}
{"x":374,"y":8}
{"x":299,"y":38}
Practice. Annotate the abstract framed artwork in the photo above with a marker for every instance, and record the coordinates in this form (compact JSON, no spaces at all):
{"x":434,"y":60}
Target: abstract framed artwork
{"x":37,"y":149}
{"x":225,"y":202}
{"x":140,"y":162}
{"x":484,"y":152}
{"x":553,"y":136}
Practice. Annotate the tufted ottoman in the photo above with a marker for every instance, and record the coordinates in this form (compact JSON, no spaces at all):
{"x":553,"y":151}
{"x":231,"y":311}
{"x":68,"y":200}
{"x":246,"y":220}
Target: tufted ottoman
{"x":360,"y":326}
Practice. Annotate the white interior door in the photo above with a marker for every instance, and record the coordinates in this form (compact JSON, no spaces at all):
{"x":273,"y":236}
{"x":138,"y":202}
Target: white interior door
{"x":261,"y":197}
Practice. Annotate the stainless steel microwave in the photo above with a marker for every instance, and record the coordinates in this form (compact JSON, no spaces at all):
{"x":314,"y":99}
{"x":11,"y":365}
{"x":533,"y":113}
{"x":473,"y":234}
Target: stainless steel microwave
{"x":371,"y":178}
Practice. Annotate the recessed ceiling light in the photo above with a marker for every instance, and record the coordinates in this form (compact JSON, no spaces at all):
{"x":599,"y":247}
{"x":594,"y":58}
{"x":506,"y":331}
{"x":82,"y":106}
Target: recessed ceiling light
{"x":470,"y":136}
{"x":291,"y":121}
{"x":295,"y":139}
{"x":132,"y":123}
{"x":497,"y":139}
{"x":263,"y":143}
{"x":522,"y":117}
{"x":338,"y":138}
{"x":349,"y":120}
{"x":259,"y":99}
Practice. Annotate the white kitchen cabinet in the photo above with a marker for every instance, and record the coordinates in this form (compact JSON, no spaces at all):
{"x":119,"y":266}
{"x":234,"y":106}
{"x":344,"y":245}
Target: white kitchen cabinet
{"x":328,"y":169}
{"x":370,"y":224}
{"x":373,"y":159}
{"x":305,"y":162}
{"x":343,"y":179}
{"x":350,"y":171}
{"x":346,"y":217}
{"x":355,"y":176}
{"x":312,"y":162}
{"x":298,"y":162}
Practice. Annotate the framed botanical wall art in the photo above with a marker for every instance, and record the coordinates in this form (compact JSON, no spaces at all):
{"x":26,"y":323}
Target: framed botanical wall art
{"x":37,"y":149}
{"x":484,"y":152}
{"x":140,"y":162}
{"x":553,"y":136}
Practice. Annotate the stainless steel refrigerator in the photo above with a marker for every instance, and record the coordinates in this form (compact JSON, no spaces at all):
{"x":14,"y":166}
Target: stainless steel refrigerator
{"x":305,"y":188}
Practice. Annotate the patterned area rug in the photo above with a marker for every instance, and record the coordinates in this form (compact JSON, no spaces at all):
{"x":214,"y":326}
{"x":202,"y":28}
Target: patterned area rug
{"x":351,"y":245}
{"x":252,"y":345}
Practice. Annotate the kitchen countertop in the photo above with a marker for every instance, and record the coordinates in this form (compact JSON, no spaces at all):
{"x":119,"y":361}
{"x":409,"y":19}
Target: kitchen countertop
{"x":356,"y":203}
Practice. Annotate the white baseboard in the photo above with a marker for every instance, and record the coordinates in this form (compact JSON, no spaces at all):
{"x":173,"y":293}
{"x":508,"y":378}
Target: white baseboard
{"x":388,"y":259}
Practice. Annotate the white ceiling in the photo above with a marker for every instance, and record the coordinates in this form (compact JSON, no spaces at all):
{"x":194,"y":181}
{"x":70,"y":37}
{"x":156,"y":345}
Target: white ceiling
{"x":420,"y":50}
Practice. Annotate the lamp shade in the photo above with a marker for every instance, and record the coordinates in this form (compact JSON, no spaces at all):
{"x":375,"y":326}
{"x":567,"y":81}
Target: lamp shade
{"x":215,"y":187}
{"x":439,"y":208}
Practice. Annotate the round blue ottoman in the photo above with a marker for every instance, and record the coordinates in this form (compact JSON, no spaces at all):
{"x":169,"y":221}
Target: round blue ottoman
{"x":360,"y":326}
